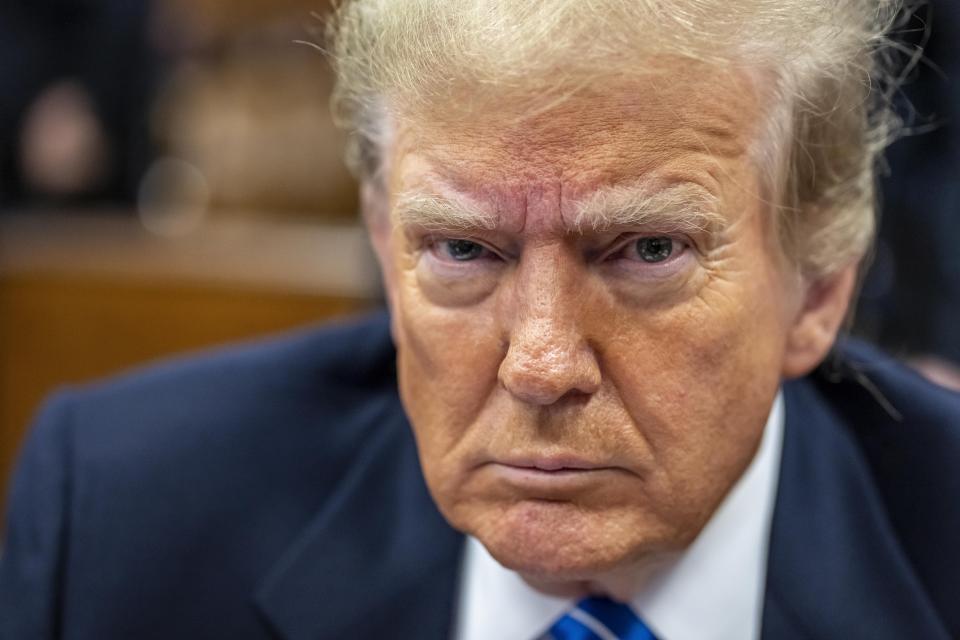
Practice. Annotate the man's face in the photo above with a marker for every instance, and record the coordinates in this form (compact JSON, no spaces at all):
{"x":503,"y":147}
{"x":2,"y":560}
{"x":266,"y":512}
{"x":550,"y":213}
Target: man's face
{"x":591,"y":311}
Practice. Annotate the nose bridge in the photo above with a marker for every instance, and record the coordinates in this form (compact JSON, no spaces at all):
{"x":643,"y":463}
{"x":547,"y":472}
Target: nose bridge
{"x":543,"y":291}
{"x":548,"y":356}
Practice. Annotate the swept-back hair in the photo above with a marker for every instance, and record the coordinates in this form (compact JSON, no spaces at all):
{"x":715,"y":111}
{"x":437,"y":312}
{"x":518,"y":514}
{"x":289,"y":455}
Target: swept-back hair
{"x":829,"y":115}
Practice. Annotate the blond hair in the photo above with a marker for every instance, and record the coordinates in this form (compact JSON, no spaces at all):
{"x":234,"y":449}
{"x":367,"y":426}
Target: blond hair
{"x":830,"y":120}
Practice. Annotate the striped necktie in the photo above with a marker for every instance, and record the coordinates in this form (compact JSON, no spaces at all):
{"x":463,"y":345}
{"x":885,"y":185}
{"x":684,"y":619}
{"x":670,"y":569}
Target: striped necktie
{"x":599,"y":619}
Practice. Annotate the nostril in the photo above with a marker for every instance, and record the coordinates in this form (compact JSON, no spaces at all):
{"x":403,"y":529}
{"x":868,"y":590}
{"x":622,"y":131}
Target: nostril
{"x":574,"y":398}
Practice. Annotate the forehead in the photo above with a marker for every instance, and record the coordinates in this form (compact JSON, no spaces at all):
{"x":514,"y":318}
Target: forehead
{"x":681,"y":122}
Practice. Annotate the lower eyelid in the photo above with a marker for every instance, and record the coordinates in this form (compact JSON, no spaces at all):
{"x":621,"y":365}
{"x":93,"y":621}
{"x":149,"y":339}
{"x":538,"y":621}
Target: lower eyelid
{"x":638,"y":269}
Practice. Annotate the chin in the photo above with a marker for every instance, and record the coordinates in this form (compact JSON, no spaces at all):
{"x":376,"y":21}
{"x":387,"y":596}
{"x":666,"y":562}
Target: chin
{"x":560,"y":541}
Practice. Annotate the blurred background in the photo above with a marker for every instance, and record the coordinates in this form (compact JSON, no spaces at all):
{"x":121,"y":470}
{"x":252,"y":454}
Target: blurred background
{"x":170,"y":180}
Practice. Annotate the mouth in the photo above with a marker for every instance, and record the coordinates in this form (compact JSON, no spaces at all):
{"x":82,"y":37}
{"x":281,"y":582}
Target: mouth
{"x":550,"y":477}
{"x":553,"y":464}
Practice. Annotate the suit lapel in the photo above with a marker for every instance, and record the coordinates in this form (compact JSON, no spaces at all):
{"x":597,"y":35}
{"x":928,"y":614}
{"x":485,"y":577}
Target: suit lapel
{"x":378,"y":561}
{"x":835,"y":568}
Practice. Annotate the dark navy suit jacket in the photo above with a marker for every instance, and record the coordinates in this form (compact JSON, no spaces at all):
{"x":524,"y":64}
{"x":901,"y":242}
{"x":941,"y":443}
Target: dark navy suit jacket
{"x":273,"y":491}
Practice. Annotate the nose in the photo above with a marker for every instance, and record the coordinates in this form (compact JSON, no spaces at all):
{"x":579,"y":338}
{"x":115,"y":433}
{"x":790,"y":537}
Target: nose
{"x":548,"y":357}
{"x":545,"y":363}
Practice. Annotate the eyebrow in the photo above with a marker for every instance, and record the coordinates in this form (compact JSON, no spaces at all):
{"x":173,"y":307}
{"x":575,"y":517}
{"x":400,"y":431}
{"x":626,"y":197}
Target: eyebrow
{"x":682,"y":207}
{"x":436,"y":213}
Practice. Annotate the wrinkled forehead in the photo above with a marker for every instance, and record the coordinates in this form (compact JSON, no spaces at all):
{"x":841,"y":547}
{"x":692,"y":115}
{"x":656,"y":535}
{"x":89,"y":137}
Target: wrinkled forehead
{"x":683,"y":123}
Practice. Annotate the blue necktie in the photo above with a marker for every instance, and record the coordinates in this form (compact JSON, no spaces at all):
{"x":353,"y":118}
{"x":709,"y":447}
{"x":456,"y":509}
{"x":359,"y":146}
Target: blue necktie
{"x":599,"y":619}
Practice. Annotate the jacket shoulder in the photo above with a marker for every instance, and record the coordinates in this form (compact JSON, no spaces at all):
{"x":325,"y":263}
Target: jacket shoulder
{"x":310,"y":373}
{"x":909,"y":432}
{"x":354,"y":352}
{"x":214,"y":462}
{"x":303,"y":395}
{"x":905,"y":395}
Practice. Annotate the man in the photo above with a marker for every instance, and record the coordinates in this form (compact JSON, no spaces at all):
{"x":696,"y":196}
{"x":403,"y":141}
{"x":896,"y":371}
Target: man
{"x":618,"y":239}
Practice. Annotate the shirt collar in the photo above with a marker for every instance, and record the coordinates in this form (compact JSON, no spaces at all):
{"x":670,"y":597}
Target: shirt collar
{"x":713,"y":590}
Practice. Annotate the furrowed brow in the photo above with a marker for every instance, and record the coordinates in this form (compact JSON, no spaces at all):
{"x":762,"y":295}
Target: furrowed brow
{"x":436,"y":213}
{"x":679,"y":208}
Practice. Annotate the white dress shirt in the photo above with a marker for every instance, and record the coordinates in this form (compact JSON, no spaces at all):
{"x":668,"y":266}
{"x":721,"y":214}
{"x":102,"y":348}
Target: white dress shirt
{"x":713,"y":590}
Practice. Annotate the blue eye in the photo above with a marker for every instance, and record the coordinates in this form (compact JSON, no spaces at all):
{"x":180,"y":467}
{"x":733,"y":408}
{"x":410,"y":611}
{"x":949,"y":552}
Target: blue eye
{"x":656,"y":249}
{"x":463,"y":250}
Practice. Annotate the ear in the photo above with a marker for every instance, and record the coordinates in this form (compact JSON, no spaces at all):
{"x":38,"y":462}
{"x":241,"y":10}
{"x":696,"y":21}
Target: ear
{"x":814,"y":330}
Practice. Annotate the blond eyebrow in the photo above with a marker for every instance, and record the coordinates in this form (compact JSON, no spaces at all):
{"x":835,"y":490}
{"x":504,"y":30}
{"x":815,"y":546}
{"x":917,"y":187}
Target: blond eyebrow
{"x":683,"y":207}
{"x":436,"y":213}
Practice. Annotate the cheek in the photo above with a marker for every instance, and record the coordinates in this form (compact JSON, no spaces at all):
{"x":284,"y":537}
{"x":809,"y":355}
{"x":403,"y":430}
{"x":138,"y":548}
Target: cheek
{"x":698,"y":379}
{"x":721,"y":350}
{"x":448,"y":360}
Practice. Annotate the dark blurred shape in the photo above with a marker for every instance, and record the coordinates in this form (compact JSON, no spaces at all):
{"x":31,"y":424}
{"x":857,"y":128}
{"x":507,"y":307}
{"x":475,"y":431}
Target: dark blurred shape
{"x":76,"y":78}
{"x":911,"y":298}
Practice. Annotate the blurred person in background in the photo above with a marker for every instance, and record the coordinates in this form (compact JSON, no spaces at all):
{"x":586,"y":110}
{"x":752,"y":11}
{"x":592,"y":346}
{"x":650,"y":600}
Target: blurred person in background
{"x":77,"y":78}
{"x":618,"y":245}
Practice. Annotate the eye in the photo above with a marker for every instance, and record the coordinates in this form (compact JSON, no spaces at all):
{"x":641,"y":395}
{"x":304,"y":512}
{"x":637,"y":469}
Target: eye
{"x":654,"y":249}
{"x":462,"y":250}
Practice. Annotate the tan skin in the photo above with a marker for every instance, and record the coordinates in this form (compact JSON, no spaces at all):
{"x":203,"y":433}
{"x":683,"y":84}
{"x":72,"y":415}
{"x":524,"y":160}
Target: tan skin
{"x":582,"y":400}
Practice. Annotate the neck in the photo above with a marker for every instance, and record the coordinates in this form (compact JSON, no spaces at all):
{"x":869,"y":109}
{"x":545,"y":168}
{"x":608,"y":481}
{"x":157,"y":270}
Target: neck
{"x":620,"y":584}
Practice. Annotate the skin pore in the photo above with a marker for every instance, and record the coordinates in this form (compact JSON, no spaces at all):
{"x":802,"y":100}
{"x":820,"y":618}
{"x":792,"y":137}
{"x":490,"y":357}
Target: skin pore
{"x":592,"y":318}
